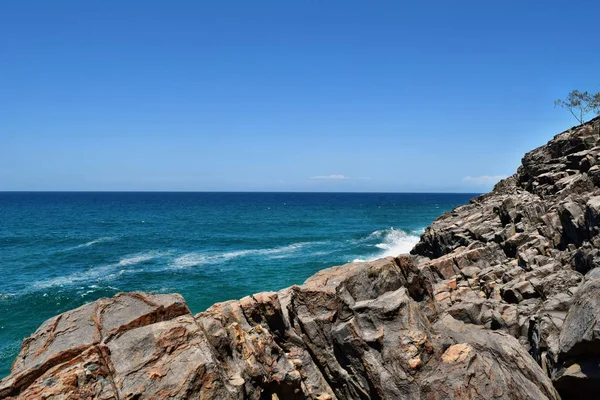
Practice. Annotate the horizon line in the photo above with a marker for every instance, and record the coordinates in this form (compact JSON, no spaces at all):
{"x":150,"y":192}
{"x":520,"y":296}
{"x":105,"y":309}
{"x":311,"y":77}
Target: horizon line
{"x":228,"y":191}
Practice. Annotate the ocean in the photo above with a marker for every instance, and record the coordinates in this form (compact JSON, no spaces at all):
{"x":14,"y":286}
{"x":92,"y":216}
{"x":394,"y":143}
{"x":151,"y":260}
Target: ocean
{"x":61,"y":250}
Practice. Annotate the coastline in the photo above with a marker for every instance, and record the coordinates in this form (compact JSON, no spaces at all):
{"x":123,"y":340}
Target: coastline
{"x":63,"y":251}
{"x":492,"y":302}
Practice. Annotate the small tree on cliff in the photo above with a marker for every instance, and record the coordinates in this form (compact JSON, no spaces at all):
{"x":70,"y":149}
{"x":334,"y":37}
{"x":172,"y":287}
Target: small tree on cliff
{"x":580,"y":104}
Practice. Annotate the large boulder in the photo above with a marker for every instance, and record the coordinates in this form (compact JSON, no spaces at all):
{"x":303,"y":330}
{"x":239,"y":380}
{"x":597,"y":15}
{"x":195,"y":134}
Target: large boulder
{"x":359,"y":331}
{"x":47,"y":357}
{"x":483,"y":364}
{"x":577,"y":373}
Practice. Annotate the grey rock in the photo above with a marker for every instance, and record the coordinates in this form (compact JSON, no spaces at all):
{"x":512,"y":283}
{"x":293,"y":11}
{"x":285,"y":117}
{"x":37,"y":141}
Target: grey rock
{"x":491,"y":303}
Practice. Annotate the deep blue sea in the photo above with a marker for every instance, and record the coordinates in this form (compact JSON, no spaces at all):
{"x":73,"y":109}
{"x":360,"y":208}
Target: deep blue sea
{"x":60,"y":250}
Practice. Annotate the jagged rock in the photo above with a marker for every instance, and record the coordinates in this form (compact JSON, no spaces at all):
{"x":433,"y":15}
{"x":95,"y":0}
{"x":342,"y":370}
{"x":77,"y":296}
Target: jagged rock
{"x":60,"y":339}
{"x":551,"y":228}
{"x":549,"y":215}
{"x":577,"y":373}
{"x":594,"y":174}
{"x":491,"y":303}
{"x":360,"y":331}
{"x":573,"y":222}
{"x":481,"y":364}
{"x":586,"y":258}
{"x":592,"y":216}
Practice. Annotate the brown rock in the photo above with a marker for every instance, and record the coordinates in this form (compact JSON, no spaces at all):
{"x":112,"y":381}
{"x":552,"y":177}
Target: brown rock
{"x":486,"y":307}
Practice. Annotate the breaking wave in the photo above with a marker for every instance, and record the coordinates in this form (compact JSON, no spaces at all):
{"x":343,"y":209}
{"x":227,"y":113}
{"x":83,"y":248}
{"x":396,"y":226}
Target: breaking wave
{"x":91,"y":243}
{"x":100,"y":273}
{"x":392,"y":242}
{"x":195,"y":258}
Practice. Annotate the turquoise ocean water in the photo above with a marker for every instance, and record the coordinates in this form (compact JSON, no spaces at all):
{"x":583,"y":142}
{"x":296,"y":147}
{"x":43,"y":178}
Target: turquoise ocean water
{"x":60,"y":250}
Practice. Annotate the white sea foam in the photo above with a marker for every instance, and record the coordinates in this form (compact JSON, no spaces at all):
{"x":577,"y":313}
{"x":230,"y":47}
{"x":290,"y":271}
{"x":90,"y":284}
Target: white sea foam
{"x":188,"y":260}
{"x":378,"y":233}
{"x":393,"y":242}
{"x":102,"y":272}
{"x":8,"y":348}
{"x":136,"y":259}
{"x":91,"y":243}
{"x":195,"y":258}
{"x":397,"y":242}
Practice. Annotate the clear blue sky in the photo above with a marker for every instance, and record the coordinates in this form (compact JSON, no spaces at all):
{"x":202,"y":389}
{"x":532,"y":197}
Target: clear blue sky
{"x":284,"y":95}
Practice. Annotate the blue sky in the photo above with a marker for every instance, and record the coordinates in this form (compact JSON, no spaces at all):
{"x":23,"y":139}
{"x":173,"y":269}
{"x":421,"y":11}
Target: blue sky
{"x":309,"y":95}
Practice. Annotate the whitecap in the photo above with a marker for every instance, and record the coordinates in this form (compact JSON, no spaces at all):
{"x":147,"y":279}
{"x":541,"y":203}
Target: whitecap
{"x":188,"y":260}
{"x":371,"y":236}
{"x":102,"y":272}
{"x":396,"y":242}
{"x":393,"y":242}
{"x":91,"y":243}
{"x":287,"y":250}
{"x":378,"y":233}
{"x":199,"y":258}
{"x":136,"y":259}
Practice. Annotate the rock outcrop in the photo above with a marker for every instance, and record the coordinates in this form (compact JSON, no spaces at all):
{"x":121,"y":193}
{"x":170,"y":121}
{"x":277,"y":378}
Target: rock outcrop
{"x":514,"y":259}
{"x":499,"y":299}
{"x":360,"y":331}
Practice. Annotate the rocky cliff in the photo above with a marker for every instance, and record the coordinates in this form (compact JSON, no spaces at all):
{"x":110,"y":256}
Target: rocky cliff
{"x":499,"y":299}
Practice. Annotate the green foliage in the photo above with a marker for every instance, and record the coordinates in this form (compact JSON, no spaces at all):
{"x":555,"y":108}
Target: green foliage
{"x":580,"y":104}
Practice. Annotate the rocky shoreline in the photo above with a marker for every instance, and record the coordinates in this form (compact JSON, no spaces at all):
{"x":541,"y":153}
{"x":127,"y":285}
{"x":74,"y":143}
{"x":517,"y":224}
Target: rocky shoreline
{"x":499,"y":299}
